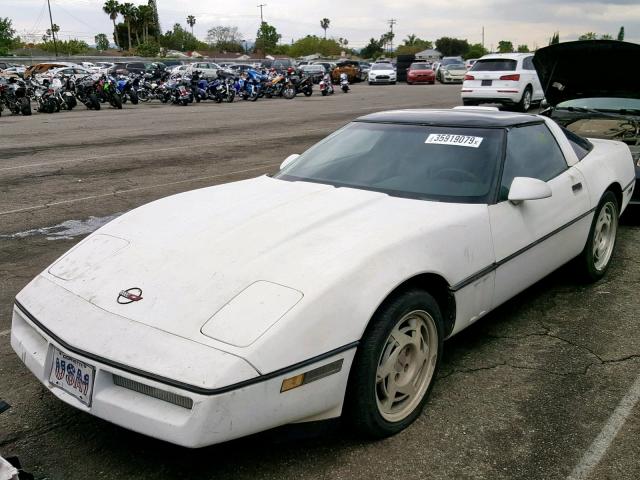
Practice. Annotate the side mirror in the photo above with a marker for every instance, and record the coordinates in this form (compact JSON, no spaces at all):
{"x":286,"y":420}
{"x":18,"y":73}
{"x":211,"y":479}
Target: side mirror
{"x":544,"y":103}
{"x":289,"y":160}
{"x":525,"y":188}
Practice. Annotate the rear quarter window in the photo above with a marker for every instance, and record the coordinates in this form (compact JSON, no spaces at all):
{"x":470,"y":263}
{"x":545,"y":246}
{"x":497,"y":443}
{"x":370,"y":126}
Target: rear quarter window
{"x":495,"y":65}
{"x":581,"y":146}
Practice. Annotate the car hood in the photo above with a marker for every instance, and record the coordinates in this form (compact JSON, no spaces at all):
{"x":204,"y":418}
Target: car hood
{"x":565,"y":74}
{"x":192,"y":253}
{"x":422,"y":72}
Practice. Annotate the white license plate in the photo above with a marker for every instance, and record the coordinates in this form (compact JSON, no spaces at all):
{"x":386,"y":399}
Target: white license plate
{"x":72,"y":375}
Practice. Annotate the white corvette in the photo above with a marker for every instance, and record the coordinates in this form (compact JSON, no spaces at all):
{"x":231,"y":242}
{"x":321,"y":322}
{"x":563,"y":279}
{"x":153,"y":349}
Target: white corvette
{"x":327,"y":288}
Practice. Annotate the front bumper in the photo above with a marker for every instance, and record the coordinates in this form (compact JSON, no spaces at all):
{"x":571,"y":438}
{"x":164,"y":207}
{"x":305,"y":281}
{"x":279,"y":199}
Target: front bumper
{"x":244,"y":409}
{"x":382,"y":80}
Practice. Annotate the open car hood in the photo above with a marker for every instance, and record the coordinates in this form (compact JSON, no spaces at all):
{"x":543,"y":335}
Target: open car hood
{"x":566,"y":70}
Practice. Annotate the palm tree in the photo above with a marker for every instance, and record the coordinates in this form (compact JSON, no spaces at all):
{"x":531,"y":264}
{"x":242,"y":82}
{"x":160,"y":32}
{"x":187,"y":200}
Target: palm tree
{"x":127,"y":11}
{"x":191,"y":20}
{"x":112,"y":8}
{"x":410,"y":41}
{"x":324,"y":24}
{"x":145,"y":17}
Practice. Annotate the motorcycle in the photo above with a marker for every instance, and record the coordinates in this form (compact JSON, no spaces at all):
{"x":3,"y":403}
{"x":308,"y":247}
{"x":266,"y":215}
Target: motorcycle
{"x":326,"y":86}
{"x":64,"y":98}
{"x":303,"y":84}
{"x":85,"y":89}
{"x":344,"y":82}
{"x":148,"y":89}
{"x":14,"y":96}
{"x":45,"y":96}
{"x":127,"y":88}
{"x":108,"y":91}
{"x":176,"y":92}
{"x":199,"y":86}
{"x":252,"y":86}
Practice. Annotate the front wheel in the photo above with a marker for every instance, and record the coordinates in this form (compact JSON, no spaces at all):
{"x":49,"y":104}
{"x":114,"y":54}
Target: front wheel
{"x":594,"y":260}
{"x":25,"y":107}
{"x":117,"y":102}
{"x":134,"y":98}
{"x":396,"y":364}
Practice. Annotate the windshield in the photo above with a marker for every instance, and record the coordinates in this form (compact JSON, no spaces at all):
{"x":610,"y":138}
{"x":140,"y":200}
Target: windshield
{"x":495,"y":65}
{"x":603,"y":103}
{"x":420,"y":66}
{"x":381,"y":66}
{"x":453,"y":164}
{"x":455,"y":66}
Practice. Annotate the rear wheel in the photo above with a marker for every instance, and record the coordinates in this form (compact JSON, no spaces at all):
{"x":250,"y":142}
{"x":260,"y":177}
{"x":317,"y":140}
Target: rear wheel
{"x":396,"y":364}
{"x":594,"y":260}
{"x":117,"y":101}
{"x":25,"y":107}
{"x":525,"y":102}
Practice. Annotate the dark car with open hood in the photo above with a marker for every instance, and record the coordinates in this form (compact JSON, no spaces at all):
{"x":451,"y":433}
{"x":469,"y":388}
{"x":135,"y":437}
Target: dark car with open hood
{"x":593,"y":105}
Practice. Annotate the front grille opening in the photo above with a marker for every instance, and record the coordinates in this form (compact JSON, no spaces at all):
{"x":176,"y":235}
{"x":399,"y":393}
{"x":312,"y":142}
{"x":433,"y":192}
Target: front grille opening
{"x":179,"y":400}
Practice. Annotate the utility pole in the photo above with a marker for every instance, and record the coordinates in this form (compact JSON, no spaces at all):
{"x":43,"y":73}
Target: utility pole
{"x":260,"y":7}
{"x":53,"y":33}
{"x":391,"y":23}
{"x":483,"y":37}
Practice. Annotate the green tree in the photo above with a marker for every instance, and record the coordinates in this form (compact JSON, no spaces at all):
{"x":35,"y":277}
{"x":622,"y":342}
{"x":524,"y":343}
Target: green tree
{"x":449,"y":47}
{"x":412,"y":45}
{"x":128,"y":11}
{"x":606,"y":36}
{"x":267,"y":38}
{"x":314,"y":44}
{"x":505,"y":46}
{"x":523,"y":49}
{"x":7,"y":33}
{"x":112,"y":8}
{"x":372,"y":50}
{"x":588,"y":36}
{"x":70,"y":47}
{"x":555,"y":39}
{"x":476,"y":51}
{"x":621,"y":34}
{"x":180,"y":39}
{"x":150,"y":48}
{"x":324,"y":24}
{"x":102,"y":41}
{"x":145,"y":18}
{"x":191,"y":20}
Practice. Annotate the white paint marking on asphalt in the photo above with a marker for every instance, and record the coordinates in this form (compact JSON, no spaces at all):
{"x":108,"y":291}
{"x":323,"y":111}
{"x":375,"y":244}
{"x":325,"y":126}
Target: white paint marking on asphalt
{"x":4,"y":333}
{"x":120,"y":192}
{"x":598,"y":448}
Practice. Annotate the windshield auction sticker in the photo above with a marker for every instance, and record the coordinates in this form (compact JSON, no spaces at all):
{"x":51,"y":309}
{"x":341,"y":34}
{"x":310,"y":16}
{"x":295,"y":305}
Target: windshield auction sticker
{"x":449,"y":139}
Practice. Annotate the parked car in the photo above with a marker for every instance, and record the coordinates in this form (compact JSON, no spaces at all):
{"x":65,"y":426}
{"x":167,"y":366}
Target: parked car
{"x":506,"y":78}
{"x":420,"y":72}
{"x":469,"y":62}
{"x":364,"y":70}
{"x":208,"y":69}
{"x":316,"y":72}
{"x":70,"y":71}
{"x":608,"y":107}
{"x":101,"y":67}
{"x":329,"y":66}
{"x":382,"y":73}
{"x":452,"y":73}
{"x":285,"y":299}
{"x":44,"y":67}
{"x":446,"y":61}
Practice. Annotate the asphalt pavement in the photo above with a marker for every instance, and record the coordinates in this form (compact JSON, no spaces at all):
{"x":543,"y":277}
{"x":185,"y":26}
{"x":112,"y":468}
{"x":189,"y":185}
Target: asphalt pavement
{"x":546,"y":387}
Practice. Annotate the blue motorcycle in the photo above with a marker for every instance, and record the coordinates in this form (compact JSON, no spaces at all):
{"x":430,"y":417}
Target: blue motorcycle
{"x":128,"y":88}
{"x":253,"y":83}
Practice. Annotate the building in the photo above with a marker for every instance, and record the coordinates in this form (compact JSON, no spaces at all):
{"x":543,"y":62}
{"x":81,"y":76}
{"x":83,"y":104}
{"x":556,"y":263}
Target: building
{"x":430,"y":55}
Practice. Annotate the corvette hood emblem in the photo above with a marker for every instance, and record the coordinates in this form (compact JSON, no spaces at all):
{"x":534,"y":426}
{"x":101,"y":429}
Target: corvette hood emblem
{"x":130,"y":295}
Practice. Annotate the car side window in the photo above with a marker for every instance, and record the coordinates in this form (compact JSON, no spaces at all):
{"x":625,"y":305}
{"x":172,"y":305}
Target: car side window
{"x":527,"y":64}
{"x":532,"y":151}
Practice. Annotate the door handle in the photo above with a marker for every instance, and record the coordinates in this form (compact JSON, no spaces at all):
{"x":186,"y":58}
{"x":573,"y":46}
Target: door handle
{"x":576,"y":187}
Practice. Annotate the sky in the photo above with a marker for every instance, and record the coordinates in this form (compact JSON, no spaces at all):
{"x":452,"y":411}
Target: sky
{"x":519,"y":21}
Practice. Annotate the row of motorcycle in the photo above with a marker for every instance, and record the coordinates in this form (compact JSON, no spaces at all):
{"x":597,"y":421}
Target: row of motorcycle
{"x":52,"y":94}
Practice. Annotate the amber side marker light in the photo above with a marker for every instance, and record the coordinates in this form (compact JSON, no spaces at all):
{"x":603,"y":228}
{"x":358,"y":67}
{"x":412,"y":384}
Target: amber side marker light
{"x":311,"y":376}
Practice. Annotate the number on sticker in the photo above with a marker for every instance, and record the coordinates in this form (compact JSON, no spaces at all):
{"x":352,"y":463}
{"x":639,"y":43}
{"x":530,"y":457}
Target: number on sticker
{"x":451,"y":139}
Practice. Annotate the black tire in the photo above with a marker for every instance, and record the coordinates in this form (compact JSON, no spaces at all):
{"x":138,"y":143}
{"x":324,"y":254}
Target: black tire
{"x":94,"y":102}
{"x":143,"y":96}
{"x":134,"y":98}
{"x":324,"y":93}
{"x":308,"y":92}
{"x":117,"y":101}
{"x":469,"y":103}
{"x":586,"y":262}
{"x":231,"y":97}
{"x":361,"y":401}
{"x":525,"y":102}
{"x":25,"y":107}
{"x":184,"y":102}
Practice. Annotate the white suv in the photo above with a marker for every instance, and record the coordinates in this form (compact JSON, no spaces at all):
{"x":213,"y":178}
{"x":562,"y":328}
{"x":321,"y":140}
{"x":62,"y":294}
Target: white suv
{"x":506,"y":78}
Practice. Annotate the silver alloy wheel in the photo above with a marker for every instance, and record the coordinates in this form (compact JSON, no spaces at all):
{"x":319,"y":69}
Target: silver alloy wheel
{"x":604,"y":235}
{"x":406,"y":365}
{"x":526,"y":100}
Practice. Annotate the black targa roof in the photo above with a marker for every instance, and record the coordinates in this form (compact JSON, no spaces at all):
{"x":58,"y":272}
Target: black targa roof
{"x":452,"y":118}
